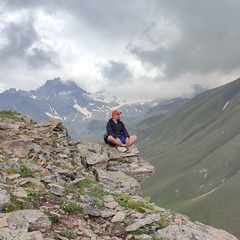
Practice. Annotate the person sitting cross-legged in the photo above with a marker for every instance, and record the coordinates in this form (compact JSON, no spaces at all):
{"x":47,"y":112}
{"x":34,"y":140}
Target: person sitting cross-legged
{"x":117,"y":134}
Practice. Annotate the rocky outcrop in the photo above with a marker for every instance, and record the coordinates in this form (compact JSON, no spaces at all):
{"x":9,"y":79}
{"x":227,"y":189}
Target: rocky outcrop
{"x":55,"y":188}
{"x":192,"y":231}
{"x":116,"y":170}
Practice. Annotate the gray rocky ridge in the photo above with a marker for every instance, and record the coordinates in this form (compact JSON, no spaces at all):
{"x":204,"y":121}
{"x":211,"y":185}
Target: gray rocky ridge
{"x":54,"y":188}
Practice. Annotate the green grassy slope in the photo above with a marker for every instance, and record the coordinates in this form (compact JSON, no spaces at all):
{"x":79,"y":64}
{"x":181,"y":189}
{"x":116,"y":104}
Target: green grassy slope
{"x":225,"y":199}
{"x":196,"y":152}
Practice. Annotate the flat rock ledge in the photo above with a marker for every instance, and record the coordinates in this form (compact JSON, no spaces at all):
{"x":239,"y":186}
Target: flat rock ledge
{"x":116,"y":170}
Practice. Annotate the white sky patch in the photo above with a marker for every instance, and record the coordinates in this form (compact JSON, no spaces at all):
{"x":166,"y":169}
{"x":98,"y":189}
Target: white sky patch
{"x":84,"y":111}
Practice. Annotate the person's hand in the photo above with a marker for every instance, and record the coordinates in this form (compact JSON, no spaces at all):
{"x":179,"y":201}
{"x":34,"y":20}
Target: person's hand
{"x":127,"y":140}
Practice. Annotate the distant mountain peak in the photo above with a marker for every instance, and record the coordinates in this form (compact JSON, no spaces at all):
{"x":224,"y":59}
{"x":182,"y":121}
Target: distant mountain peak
{"x":66,"y":101}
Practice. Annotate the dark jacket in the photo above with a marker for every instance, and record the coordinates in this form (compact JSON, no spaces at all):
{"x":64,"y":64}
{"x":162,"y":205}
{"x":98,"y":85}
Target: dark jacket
{"x":116,"y":129}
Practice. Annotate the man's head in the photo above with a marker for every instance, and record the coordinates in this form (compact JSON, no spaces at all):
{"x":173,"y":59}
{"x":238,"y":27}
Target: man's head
{"x":116,"y":113}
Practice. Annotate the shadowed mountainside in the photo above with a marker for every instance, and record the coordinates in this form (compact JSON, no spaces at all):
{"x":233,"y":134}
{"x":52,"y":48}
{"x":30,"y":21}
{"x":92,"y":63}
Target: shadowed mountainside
{"x":196,"y":154}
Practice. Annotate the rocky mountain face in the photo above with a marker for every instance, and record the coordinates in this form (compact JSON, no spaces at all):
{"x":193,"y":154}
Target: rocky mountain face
{"x":84,"y":114}
{"x":52,"y":187}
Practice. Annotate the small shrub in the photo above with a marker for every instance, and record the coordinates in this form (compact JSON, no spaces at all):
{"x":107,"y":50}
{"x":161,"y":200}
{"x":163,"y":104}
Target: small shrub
{"x":86,"y":183}
{"x":71,"y":207}
{"x":141,"y":206}
{"x":17,"y":204}
{"x":97,"y":191}
{"x":164,"y":222}
{"x":84,"y":163}
{"x":97,"y":203}
{"x":11,"y":170}
{"x":66,"y":233}
{"x":10,"y":115}
{"x":57,"y":164}
{"x":25,"y":172}
{"x":2,"y":137}
{"x":52,"y":217}
{"x":73,"y":162}
{"x":54,"y":143}
{"x":70,"y":188}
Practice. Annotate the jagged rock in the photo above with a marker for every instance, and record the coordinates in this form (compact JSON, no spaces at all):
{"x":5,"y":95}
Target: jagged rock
{"x":118,"y":180}
{"x":108,"y":198}
{"x":3,"y":222}
{"x":145,"y":237}
{"x":119,"y":217}
{"x":23,"y":181}
{"x":10,"y":234}
{"x":112,"y":160}
{"x":20,"y":147}
{"x":13,"y":176}
{"x":90,"y":210}
{"x":4,"y":126}
{"x":118,"y":230}
{"x":107,"y":213}
{"x":20,"y":193}
{"x":111,"y":205}
{"x":115,"y":154}
{"x":132,"y":166}
{"x":56,"y":189}
{"x":97,"y":159}
{"x":4,"y":198}
{"x":46,"y":126}
{"x":142,"y":222}
{"x":191,"y":231}
{"x":88,"y":232}
{"x":27,"y":219}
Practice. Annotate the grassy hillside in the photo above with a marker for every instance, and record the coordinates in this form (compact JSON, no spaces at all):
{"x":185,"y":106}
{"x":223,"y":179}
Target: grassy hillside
{"x":196,"y":153}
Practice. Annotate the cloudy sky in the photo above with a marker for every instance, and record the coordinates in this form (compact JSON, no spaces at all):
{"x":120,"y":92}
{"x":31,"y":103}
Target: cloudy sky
{"x":135,"y":48}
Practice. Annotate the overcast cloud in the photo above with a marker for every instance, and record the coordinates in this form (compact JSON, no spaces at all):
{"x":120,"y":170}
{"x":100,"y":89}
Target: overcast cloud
{"x":138,"y":48}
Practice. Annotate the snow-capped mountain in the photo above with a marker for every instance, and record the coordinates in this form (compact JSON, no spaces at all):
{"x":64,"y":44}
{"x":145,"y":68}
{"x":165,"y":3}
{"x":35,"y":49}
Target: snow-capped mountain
{"x":81,"y":112}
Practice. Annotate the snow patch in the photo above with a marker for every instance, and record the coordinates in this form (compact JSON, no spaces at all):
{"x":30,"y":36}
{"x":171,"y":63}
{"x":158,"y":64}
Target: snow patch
{"x":225,"y":105}
{"x":53,"y":116}
{"x":84,"y":110}
{"x":53,"y":113}
{"x":108,"y":98}
{"x":205,"y":171}
{"x":65,"y":94}
{"x":74,"y":118}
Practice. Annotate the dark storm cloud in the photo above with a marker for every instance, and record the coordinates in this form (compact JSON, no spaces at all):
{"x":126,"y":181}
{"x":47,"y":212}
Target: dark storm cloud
{"x":19,"y":36}
{"x":20,"y":40}
{"x":105,"y":15}
{"x":116,"y":73}
{"x":208,"y":38}
{"x":164,"y":41}
{"x":111,"y":19}
{"x":39,"y":58}
{"x":16,"y":4}
{"x":208,"y":29}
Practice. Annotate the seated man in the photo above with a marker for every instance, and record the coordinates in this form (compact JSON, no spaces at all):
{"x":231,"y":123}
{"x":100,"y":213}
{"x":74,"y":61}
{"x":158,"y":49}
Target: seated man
{"x":117,"y":134}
